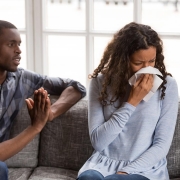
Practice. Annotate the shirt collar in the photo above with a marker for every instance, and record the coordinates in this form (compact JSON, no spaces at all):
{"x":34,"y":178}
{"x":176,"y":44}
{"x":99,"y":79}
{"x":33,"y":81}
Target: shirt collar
{"x":11,"y":74}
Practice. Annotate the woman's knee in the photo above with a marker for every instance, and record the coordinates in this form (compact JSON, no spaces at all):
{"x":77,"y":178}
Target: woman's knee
{"x":90,"y":174}
{"x":3,"y":171}
{"x":125,"y":177}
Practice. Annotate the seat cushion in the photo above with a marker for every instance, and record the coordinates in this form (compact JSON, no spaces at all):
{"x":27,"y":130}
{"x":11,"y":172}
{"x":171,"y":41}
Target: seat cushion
{"x":19,"y":173}
{"x":48,"y":173}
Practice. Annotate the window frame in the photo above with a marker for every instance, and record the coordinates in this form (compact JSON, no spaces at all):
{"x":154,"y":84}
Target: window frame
{"x":37,"y":35}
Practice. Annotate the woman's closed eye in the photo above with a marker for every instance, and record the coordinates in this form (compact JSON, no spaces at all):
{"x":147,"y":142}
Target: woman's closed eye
{"x":152,"y":61}
{"x":138,"y":63}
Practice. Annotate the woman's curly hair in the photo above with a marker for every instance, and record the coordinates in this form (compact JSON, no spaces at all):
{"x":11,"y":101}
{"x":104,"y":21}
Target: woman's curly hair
{"x":115,"y":63}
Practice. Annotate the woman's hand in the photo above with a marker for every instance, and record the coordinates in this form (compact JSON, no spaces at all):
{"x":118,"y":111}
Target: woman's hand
{"x":140,"y":89}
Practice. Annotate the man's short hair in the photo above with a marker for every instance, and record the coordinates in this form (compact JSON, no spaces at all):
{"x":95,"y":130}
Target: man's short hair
{"x":6,"y":25}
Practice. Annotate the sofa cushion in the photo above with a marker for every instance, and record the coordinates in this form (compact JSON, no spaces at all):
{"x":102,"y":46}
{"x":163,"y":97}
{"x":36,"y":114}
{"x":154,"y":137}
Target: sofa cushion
{"x":65,"y":140}
{"x":173,"y":156}
{"x":28,"y":157}
{"x":19,"y":173}
{"x":48,"y":173}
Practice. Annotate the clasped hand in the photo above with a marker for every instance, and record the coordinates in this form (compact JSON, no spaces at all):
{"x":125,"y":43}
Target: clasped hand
{"x":39,"y":109}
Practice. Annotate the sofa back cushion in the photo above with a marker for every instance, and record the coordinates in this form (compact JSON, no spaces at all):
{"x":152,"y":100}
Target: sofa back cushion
{"x":173,"y":157}
{"x":65,"y":141}
{"x":28,"y":157}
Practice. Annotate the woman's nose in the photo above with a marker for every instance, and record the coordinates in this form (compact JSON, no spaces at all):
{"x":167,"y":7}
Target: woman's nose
{"x":146,"y":64}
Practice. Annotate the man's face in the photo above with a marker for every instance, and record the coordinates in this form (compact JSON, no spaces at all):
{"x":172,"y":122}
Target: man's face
{"x":9,"y":50}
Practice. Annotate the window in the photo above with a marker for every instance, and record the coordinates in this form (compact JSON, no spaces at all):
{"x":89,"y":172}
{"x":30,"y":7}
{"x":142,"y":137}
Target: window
{"x":66,"y":38}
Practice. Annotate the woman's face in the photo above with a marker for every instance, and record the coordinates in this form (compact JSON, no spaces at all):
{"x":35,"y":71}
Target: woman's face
{"x":142,"y":58}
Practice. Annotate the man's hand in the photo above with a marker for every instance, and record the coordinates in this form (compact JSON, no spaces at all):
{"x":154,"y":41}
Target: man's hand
{"x":140,"y":89}
{"x":30,"y":103}
{"x":39,"y":109}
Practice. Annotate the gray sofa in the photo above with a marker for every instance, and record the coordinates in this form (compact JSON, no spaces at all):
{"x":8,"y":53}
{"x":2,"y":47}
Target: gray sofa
{"x":63,"y":146}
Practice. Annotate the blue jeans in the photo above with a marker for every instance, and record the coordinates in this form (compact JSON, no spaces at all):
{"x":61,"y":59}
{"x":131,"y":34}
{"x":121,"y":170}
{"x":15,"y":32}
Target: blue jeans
{"x":3,"y":171}
{"x":95,"y":175}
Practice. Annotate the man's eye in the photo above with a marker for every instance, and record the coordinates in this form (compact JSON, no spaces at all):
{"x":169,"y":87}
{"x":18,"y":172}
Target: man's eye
{"x":10,"y":44}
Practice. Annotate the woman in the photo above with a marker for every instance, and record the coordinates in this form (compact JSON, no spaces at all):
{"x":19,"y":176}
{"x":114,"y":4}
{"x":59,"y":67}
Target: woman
{"x":131,"y":137}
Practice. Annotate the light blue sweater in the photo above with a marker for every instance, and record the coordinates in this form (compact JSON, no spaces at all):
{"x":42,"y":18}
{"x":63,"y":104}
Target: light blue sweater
{"x":132,"y":139}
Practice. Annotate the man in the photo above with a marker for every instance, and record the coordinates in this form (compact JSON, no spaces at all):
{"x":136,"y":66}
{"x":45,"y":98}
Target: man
{"x":16,"y":85}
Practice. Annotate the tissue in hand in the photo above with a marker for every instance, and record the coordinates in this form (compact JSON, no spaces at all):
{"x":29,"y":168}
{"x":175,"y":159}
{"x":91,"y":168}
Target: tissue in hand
{"x":156,"y":83}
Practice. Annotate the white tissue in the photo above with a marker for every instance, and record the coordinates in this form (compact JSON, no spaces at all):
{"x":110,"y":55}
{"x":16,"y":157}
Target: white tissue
{"x":156,"y":83}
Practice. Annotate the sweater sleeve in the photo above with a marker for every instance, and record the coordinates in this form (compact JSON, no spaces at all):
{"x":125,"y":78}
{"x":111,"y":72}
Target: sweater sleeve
{"x":163,"y":133}
{"x":102,"y":132}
